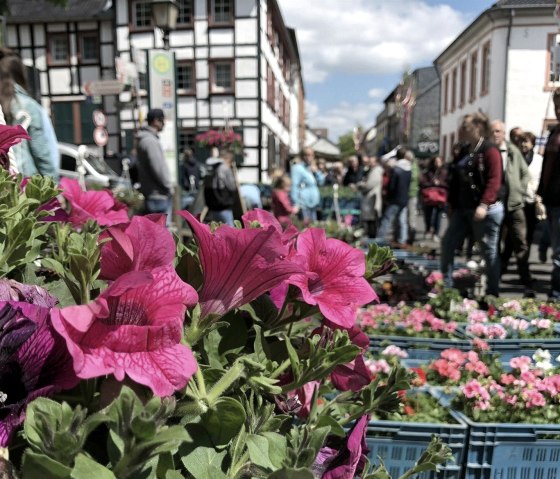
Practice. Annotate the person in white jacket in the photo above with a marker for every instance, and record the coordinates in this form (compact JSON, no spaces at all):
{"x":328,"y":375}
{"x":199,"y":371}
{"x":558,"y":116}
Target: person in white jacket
{"x":534,"y":164}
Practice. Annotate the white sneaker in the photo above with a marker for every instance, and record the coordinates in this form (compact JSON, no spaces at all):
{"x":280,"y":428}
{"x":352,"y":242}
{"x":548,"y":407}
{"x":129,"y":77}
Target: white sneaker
{"x":471,"y":264}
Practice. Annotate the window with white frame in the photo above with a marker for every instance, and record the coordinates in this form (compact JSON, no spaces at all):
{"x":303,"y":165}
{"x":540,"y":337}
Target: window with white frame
{"x":89,"y":47}
{"x":141,"y":14}
{"x":221,"y":12}
{"x":221,"y":76}
{"x":185,"y":77}
{"x":486,"y":62}
{"x":186,"y":12}
{"x":59,"y":53}
{"x":553,"y":60}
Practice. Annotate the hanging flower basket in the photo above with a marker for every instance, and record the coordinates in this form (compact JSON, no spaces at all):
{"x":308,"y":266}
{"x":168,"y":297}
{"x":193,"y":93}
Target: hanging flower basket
{"x":220,"y":139}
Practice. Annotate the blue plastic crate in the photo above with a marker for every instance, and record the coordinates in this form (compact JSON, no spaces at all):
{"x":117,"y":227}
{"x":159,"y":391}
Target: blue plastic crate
{"x":510,"y":348}
{"x":511,"y":451}
{"x":400,"y":444}
{"x":425,"y":349}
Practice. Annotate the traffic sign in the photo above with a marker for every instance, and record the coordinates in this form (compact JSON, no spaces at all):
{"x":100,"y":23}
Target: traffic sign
{"x":99,"y":118}
{"x":100,"y":136}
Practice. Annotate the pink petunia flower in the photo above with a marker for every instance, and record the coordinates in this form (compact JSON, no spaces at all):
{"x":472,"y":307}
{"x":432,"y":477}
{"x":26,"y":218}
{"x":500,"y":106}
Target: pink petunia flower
{"x":100,"y":206}
{"x":522,"y":363}
{"x":239,"y":265}
{"x":334,"y":277}
{"x":133,"y":328}
{"x":143,"y":244}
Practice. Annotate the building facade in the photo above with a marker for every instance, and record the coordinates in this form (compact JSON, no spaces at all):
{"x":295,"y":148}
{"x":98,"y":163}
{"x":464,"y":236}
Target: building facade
{"x":501,"y":64}
{"x":237,"y":64}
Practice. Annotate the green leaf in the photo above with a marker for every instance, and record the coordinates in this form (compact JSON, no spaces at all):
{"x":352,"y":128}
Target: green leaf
{"x":258,"y":451}
{"x":174,"y":475}
{"x":277,"y":448}
{"x":39,"y":466}
{"x":329,"y":421}
{"x":289,"y":473}
{"x":86,"y":468}
{"x":224,"y":420}
{"x":205,"y":463}
{"x":294,"y":360}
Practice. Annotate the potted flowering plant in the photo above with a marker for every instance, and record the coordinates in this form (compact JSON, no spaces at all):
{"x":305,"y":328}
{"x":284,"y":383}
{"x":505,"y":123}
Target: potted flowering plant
{"x":226,"y":138}
{"x":128,"y":353}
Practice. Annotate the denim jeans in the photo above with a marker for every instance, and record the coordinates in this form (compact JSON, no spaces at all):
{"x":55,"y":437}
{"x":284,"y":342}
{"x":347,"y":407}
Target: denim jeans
{"x":222,"y":216}
{"x":309,"y":215}
{"x":160,"y":205}
{"x":485,"y":232}
{"x":391,"y":212}
{"x":554,"y":223}
{"x":432,"y":218}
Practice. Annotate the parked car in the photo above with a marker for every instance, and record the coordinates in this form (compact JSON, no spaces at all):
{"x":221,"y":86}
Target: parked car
{"x":97,"y":172}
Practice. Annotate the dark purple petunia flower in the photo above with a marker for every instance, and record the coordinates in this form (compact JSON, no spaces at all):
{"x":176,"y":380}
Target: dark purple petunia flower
{"x":344,"y":462}
{"x":11,"y":290}
{"x":34,"y":362}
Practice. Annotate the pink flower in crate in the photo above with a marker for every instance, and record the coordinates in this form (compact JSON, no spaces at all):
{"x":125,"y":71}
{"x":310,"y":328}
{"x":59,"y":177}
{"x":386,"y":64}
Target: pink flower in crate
{"x":542,"y":323}
{"x":142,"y":244}
{"x":533,"y":398}
{"x":511,"y":399}
{"x":334,"y":278}
{"x":377,"y":366}
{"x":100,"y":206}
{"x":496,"y":331}
{"x":393,"y":350}
{"x":507,"y":379}
{"x":454,"y":355}
{"x":239,"y":265}
{"x":434,"y":277}
{"x":512,"y":305}
{"x":477,"y":316}
{"x":480,"y":344}
{"x":482,"y":405}
{"x":473,"y":389}
{"x":133,"y":328}
{"x":523,"y":363}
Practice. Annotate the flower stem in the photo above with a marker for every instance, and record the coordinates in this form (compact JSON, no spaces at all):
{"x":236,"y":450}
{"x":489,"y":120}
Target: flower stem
{"x":225,"y":382}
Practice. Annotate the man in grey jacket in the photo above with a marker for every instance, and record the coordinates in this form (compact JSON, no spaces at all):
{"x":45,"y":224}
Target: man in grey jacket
{"x":155,"y":180}
{"x":514,"y":227}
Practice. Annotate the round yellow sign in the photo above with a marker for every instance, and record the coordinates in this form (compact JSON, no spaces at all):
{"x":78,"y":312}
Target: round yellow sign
{"x":161,"y":63}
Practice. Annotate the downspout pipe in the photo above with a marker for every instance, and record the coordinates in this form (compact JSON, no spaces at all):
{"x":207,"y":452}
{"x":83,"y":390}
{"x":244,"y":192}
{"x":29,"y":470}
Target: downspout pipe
{"x":508,"y":43}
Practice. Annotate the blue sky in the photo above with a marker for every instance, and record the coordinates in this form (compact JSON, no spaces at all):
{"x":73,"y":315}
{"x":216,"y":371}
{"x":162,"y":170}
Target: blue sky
{"x":355,"y":51}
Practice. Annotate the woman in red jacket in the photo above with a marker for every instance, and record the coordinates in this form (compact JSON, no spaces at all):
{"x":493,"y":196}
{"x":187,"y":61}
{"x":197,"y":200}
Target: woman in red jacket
{"x":475,"y":199}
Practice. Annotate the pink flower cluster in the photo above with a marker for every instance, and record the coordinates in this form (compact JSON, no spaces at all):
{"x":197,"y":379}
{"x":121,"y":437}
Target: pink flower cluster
{"x":489,"y":331}
{"x":453,"y":365}
{"x":435,"y":277}
{"x":526,"y":387}
{"x":413,"y":320}
{"x":219,"y":138}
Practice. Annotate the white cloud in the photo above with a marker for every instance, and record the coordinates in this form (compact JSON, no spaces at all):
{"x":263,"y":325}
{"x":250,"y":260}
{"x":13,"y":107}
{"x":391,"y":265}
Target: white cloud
{"x":368,"y":36}
{"x":341,"y":118}
{"x":376,"y":93}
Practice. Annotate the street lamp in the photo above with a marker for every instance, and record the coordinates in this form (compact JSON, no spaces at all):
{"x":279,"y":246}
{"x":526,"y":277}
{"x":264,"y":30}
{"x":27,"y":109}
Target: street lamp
{"x":164,"y":14}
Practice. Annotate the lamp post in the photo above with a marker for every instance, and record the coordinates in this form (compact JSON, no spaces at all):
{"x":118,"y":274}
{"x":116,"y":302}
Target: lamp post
{"x":164,"y":14}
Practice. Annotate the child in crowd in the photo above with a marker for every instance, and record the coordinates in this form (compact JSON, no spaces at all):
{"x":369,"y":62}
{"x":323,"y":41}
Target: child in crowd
{"x":282,"y":207}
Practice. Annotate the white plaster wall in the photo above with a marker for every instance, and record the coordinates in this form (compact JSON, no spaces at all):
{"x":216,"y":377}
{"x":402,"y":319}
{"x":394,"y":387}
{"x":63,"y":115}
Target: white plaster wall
{"x":201,"y":31}
{"x":248,"y":175}
{"x":60,"y":81}
{"x":250,"y":137}
{"x":246,"y":68}
{"x":56,"y":27}
{"x":221,"y":52}
{"x":247,"y":108}
{"x":181,"y":38}
{"x":221,"y":36}
{"x":246,"y":51}
{"x":527,"y":99}
{"x":246,"y":30}
{"x":246,"y":88}
{"x":186,"y":107}
{"x":25,"y":36}
{"x":39,"y":35}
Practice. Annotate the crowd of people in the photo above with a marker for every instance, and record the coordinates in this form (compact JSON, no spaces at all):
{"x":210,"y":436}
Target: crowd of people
{"x":494,"y":192}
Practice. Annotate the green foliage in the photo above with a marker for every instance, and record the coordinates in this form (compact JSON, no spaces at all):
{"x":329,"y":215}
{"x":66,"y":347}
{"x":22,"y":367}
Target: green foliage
{"x":346,"y":144}
{"x":22,"y":234}
{"x":75,"y":259}
{"x":379,"y":261}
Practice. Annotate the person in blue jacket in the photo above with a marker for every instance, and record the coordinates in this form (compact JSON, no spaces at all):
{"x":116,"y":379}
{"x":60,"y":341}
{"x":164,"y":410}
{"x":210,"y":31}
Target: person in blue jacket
{"x":305,"y":192}
{"x":40,"y":155}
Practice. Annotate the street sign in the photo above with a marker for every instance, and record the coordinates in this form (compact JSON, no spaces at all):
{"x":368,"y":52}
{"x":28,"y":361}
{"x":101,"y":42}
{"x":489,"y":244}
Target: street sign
{"x":99,"y":118}
{"x":104,"y":87}
{"x":100,"y":136}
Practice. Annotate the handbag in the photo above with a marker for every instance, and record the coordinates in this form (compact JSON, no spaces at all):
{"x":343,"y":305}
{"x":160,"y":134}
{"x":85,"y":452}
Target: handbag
{"x":434,"y":196}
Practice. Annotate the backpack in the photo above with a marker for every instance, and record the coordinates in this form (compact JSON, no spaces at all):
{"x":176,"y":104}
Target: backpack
{"x":216,"y":196}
